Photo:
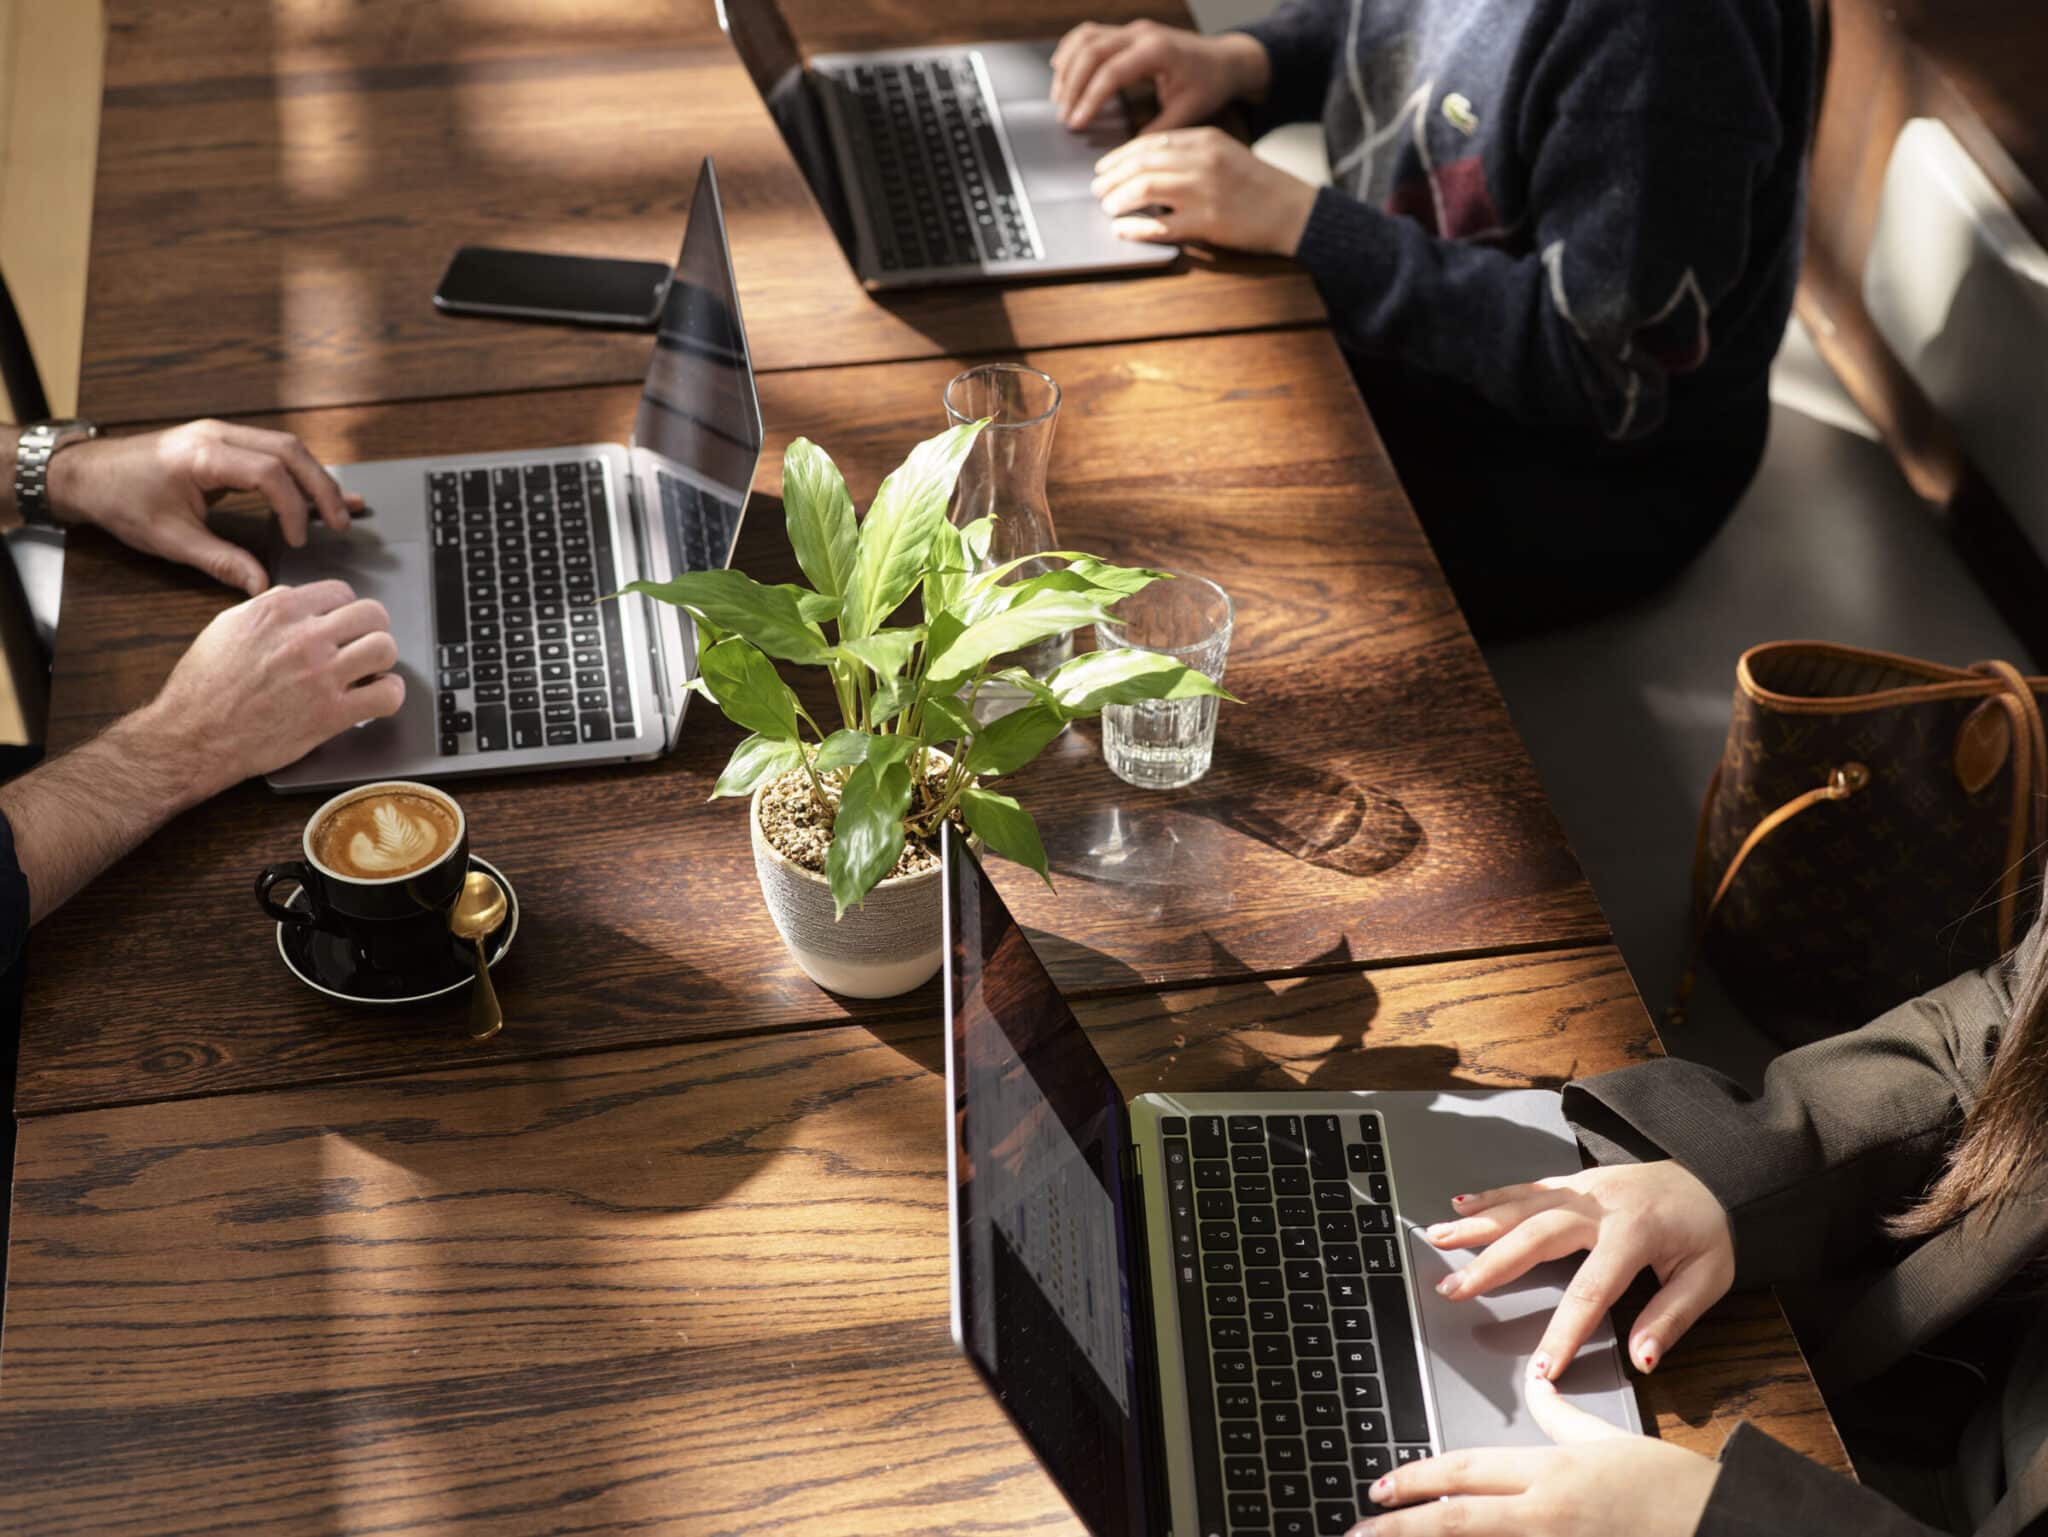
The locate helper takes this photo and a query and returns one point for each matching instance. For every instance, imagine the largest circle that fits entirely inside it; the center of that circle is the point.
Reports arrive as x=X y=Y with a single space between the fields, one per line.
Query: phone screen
x=488 y=281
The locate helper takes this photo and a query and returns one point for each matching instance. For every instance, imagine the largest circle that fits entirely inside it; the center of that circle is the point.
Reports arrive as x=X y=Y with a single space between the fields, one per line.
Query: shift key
x=490 y=728
x=527 y=730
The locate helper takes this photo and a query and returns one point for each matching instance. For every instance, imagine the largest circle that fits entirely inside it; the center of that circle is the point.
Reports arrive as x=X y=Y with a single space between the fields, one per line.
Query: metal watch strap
x=32 y=455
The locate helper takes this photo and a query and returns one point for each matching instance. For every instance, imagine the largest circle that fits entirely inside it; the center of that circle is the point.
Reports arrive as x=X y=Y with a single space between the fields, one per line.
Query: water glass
x=1161 y=744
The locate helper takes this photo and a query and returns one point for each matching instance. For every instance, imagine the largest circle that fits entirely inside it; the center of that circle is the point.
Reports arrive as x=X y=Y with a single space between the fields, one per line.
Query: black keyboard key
x=1322 y=1411
x=1240 y=1438
x=1230 y=1334
x=451 y=744
x=1226 y=1302
x=1286 y=1454
x=1215 y=1206
x=596 y=728
x=557 y=693
x=1328 y=1446
x=1369 y=1127
x=1403 y=1455
x=1255 y=1189
x=1329 y=1481
x=1313 y=1340
x=1232 y=1366
x=491 y=733
x=593 y=700
x=1375 y=1219
x=1331 y=1196
x=1243 y=1475
x=1367 y=1158
x=1318 y=1374
x=1236 y=1403
x=1307 y=1308
x=449 y=625
x=527 y=730
x=1382 y=1256
x=1304 y=1275
x=1300 y=1243
x=1294 y=1523
x=1273 y=1350
x=1215 y=1267
x=1367 y=1430
x=1342 y=1258
x=1256 y=1251
x=1283 y=1140
x=1263 y=1283
x=489 y=693
x=1346 y=1291
x=1362 y=1393
x=1208 y=1175
x=1276 y=1384
x=1295 y=1212
x=1290 y=1181
x=1289 y=1489
x=1325 y=1146
x=561 y=736
x=1207 y=1133
x=1379 y=1189
x=554 y=714
x=1356 y=1358
x=1335 y=1227
x=1219 y=1235
x=1246 y=1128
x=1248 y=1512
x=1267 y=1316
x=1335 y=1520
x=1248 y=1160
x=476 y=488
x=1403 y=1376
x=1280 y=1419
x=1255 y=1219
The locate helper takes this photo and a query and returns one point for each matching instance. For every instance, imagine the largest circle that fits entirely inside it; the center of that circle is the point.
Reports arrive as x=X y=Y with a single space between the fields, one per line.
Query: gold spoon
x=478 y=912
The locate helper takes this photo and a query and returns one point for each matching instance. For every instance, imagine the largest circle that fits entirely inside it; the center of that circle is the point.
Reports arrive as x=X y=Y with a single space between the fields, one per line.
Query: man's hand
x=1598 y=1481
x=1194 y=77
x=1202 y=185
x=1631 y=1217
x=151 y=492
x=271 y=679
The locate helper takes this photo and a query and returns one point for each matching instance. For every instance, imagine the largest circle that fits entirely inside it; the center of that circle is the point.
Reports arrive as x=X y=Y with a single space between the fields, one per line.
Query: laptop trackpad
x=400 y=576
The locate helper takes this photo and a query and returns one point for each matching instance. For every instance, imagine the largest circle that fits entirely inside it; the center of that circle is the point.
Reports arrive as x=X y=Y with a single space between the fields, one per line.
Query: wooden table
x=701 y=1288
x=274 y=204
x=670 y=1252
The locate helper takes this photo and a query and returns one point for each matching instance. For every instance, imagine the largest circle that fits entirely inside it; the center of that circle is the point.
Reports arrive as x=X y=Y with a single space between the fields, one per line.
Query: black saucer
x=327 y=963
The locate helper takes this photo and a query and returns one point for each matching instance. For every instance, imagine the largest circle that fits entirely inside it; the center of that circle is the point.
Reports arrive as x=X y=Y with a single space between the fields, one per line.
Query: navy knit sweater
x=1586 y=212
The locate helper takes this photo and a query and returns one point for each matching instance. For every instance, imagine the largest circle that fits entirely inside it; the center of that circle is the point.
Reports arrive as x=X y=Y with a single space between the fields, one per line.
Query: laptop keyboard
x=704 y=524
x=1303 y=1381
x=528 y=657
x=946 y=198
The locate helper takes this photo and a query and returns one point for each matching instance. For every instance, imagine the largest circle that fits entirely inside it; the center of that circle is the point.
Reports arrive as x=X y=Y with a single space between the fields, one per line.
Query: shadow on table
x=1304 y=811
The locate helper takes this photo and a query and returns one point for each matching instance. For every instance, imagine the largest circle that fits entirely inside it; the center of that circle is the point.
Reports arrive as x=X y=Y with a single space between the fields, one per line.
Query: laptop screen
x=698 y=410
x=1041 y=1255
x=761 y=37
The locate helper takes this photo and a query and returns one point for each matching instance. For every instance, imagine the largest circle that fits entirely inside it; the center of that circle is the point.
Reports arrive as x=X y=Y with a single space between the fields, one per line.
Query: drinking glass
x=1162 y=744
x=1004 y=477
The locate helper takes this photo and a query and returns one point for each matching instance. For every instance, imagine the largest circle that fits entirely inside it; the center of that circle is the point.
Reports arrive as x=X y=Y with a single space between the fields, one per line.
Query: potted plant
x=849 y=818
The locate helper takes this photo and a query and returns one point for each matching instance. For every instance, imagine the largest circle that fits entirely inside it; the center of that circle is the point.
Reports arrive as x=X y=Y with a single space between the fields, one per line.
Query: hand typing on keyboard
x=1598 y=1481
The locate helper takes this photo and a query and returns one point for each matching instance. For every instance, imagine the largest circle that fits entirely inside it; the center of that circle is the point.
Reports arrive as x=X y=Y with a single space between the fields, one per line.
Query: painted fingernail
x=1384 y=1488
x=1540 y=1368
x=1646 y=1354
x=1460 y=1200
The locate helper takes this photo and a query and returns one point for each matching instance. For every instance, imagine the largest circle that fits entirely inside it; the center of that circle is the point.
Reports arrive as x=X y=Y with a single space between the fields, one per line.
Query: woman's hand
x=1201 y=184
x=1631 y=1217
x=1193 y=76
x=1598 y=1481
x=151 y=492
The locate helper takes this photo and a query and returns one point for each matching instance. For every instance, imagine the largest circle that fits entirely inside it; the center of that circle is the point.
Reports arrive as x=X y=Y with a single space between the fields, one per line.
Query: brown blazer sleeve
x=1845 y=1130
x=1766 y=1490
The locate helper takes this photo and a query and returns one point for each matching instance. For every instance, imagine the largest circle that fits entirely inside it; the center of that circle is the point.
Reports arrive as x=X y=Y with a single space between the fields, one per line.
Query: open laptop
x=940 y=165
x=492 y=565
x=1211 y=1314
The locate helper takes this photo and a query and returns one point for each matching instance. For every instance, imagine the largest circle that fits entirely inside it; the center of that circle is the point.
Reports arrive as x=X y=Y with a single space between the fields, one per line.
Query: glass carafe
x=1004 y=478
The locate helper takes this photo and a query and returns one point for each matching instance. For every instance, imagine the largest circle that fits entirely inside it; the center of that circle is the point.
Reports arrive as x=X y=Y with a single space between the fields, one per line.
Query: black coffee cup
x=395 y=924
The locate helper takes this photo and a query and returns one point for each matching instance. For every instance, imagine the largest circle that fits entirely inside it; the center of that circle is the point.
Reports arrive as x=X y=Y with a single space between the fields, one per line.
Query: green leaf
x=950 y=713
x=1122 y=580
x=767 y=616
x=975 y=538
x=891 y=700
x=842 y=749
x=818 y=512
x=945 y=567
x=748 y=689
x=1005 y=827
x=867 y=835
x=1019 y=678
x=1043 y=613
x=754 y=762
x=1087 y=683
x=1010 y=741
x=884 y=750
x=815 y=607
x=898 y=530
x=886 y=652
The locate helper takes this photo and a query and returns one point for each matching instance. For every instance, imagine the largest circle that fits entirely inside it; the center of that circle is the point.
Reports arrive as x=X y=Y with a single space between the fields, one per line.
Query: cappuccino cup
x=383 y=866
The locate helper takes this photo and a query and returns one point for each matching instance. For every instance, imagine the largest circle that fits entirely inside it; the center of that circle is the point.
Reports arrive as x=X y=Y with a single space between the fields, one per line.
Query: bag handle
x=2029 y=785
x=1843 y=782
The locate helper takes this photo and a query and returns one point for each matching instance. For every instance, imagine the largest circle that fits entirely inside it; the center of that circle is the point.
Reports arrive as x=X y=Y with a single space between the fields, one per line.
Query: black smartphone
x=534 y=285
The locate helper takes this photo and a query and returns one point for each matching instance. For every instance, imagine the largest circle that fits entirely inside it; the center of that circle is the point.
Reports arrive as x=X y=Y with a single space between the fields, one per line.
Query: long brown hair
x=2004 y=1139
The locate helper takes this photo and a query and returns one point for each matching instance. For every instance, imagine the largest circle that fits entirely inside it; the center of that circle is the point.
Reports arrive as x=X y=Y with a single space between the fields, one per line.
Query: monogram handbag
x=1873 y=829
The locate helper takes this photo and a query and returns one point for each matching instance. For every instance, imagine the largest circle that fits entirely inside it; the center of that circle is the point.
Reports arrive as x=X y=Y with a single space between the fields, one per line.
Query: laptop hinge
x=643 y=542
x=1151 y=1416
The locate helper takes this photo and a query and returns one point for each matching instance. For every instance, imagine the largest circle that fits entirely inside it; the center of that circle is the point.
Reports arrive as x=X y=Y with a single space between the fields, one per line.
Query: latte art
x=384 y=833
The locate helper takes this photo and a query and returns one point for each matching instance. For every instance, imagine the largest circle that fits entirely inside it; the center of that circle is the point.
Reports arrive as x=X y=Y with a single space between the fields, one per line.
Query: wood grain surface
x=1370 y=800
x=281 y=185
x=701 y=1288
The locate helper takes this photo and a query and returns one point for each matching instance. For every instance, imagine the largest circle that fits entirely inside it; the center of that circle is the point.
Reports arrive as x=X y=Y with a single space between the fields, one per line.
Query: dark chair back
x=24 y=664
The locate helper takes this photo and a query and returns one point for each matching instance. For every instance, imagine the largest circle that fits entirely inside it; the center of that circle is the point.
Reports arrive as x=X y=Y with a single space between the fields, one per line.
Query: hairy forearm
x=75 y=815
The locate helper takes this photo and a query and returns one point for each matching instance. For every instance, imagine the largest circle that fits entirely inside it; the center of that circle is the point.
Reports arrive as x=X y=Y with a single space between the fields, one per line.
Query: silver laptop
x=940 y=165
x=493 y=565
x=1212 y=1313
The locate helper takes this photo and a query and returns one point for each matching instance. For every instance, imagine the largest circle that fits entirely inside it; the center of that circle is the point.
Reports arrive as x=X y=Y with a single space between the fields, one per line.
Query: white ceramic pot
x=889 y=945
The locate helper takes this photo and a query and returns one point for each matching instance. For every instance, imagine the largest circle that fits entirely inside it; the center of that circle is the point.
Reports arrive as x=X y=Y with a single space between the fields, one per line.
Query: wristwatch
x=38 y=445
